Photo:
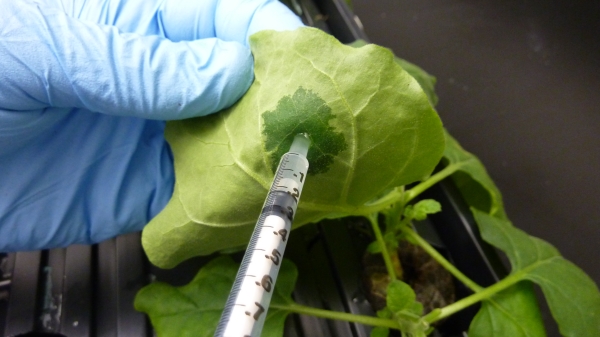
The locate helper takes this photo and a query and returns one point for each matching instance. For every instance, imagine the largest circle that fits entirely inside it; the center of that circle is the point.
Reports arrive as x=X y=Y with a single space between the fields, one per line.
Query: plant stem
x=472 y=299
x=392 y=217
x=384 y=251
x=380 y=204
x=342 y=316
x=374 y=207
x=409 y=232
x=434 y=179
x=387 y=199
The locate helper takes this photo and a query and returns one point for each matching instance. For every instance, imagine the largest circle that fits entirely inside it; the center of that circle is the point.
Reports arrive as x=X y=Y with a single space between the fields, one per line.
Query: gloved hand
x=84 y=86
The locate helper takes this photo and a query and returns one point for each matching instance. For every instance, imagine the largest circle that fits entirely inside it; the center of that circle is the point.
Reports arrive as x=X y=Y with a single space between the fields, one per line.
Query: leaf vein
x=506 y=313
x=353 y=141
x=246 y=170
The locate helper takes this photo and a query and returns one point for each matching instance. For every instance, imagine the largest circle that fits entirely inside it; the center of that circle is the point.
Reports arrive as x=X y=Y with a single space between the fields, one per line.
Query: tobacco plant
x=374 y=132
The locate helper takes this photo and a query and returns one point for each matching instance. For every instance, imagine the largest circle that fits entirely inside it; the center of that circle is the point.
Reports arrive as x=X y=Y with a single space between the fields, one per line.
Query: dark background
x=519 y=86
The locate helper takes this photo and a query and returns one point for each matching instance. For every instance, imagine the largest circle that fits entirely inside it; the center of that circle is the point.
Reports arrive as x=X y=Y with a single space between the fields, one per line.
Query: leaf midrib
x=353 y=131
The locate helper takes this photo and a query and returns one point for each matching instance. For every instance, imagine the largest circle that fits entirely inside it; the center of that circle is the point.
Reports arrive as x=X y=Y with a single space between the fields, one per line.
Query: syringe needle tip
x=301 y=144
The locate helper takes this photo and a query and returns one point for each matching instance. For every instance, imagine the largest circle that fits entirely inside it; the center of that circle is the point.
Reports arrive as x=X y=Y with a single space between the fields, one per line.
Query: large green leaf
x=371 y=125
x=472 y=179
x=572 y=296
x=513 y=312
x=195 y=309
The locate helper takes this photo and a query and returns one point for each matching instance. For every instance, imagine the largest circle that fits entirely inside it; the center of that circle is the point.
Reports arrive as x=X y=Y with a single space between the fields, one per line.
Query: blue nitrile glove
x=84 y=86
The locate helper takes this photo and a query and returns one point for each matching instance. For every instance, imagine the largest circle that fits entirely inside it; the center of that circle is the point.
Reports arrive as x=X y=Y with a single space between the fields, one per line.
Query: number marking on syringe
x=258 y=273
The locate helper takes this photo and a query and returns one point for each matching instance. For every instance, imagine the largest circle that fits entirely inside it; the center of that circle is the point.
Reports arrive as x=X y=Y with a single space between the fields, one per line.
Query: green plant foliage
x=421 y=209
x=373 y=130
x=195 y=309
x=425 y=80
x=391 y=243
x=404 y=308
x=401 y=298
x=513 y=312
x=376 y=128
x=380 y=332
x=572 y=296
x=472 y=179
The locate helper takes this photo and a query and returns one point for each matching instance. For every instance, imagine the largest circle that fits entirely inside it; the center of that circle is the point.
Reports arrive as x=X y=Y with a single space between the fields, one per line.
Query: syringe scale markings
x=248 y=302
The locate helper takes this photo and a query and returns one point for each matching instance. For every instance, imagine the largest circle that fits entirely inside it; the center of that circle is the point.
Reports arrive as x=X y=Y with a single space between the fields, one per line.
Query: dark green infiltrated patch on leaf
x=304 y=112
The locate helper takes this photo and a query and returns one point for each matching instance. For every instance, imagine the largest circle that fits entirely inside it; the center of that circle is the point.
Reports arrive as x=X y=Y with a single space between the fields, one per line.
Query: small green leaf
x=401 y=298
x=385 y=313
x=572 y=296
x=406 y=311
x=421 y=209
x=390 y=241
x=374 y=247
x=513 y=312
x=195 y=309
x=380 y=332
x=472 y=179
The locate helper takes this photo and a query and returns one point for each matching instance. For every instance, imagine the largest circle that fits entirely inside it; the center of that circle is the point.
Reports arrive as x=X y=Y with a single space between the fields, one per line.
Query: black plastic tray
x=89 y=290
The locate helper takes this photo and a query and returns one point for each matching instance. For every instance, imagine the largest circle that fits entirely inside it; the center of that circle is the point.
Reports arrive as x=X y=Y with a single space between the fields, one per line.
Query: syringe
x=247 y=305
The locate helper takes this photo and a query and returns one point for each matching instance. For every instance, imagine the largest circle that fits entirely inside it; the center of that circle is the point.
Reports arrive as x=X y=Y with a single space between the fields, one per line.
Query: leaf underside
x=425 y=80
x=373 y=127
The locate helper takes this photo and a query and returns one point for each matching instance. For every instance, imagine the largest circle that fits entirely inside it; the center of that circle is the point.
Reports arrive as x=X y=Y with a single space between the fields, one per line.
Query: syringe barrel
x=300 y=144
x=288 y=183
x=249 y=300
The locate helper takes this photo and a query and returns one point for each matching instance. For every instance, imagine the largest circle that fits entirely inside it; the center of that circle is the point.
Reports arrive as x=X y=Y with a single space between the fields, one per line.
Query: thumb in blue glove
x=84 y=88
